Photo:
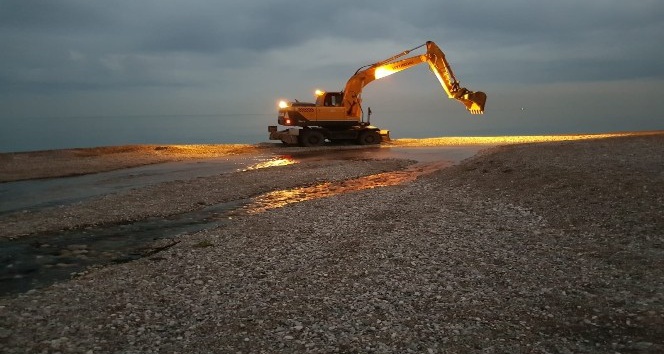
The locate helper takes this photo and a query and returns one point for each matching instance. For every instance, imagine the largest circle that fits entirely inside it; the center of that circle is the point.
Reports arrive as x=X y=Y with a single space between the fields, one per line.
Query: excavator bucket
x=474 y=101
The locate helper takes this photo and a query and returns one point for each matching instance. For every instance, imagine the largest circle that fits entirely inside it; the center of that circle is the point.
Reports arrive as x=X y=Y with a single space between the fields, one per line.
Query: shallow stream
x=39 y=260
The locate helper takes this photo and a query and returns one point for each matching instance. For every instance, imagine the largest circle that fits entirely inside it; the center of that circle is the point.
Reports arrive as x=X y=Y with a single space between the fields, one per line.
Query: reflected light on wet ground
x=281 y=198
x=283 y=160
x=509 y=139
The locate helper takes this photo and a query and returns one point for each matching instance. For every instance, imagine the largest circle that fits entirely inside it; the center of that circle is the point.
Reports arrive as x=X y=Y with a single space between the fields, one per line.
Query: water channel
x=39 y=260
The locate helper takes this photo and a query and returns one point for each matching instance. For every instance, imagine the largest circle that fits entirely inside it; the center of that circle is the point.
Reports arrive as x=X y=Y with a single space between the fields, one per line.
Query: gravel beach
x=549 y=247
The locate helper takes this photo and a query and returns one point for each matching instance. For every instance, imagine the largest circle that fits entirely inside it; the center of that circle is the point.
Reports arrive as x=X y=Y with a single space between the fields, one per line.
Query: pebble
x=446 y=263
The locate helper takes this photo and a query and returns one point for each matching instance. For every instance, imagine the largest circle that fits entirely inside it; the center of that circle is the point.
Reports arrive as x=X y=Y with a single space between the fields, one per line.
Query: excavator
x=338 y=116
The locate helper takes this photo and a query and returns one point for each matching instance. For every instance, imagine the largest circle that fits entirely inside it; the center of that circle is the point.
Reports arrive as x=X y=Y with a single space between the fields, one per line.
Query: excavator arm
x=473 y=101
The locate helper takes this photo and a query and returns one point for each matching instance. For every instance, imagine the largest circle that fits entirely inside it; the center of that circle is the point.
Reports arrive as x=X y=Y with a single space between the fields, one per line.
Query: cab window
x=333 y=100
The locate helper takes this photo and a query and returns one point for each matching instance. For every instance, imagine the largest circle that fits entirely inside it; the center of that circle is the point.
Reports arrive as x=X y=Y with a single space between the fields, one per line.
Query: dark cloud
x=51 y=17
x=258 y=27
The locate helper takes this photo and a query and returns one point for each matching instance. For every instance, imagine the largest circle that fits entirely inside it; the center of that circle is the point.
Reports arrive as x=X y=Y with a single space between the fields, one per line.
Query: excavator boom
x=473 y=101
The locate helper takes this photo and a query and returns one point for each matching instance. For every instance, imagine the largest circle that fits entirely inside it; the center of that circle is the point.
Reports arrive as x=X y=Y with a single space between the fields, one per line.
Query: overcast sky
x=546 y=66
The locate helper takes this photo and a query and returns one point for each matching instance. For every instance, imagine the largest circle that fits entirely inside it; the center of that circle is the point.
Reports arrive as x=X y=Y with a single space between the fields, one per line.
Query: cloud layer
x=75 y=57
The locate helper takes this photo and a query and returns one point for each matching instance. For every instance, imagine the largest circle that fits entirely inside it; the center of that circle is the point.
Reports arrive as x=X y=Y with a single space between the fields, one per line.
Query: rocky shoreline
x=549 y=247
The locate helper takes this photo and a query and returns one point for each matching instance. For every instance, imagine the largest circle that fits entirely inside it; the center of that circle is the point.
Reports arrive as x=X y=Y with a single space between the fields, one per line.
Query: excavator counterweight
x=339 y=115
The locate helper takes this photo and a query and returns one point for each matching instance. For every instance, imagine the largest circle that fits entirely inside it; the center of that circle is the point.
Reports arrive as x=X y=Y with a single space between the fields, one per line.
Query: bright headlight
x=283 y=104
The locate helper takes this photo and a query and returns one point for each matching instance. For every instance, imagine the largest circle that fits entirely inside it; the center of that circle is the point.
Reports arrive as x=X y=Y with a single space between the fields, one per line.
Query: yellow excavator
x=337 y=116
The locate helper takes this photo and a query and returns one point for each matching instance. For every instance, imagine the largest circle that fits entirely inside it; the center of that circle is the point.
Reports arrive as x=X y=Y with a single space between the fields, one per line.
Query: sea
x=50 y=133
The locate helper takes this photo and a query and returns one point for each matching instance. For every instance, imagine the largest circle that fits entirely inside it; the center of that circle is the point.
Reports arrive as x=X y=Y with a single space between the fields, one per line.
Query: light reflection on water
x=283 y=160
x=281 y=198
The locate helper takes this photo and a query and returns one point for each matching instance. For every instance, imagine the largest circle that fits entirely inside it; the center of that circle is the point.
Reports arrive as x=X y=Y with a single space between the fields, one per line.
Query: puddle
x=40 y=260
x=283 y=160
x=281 y=198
